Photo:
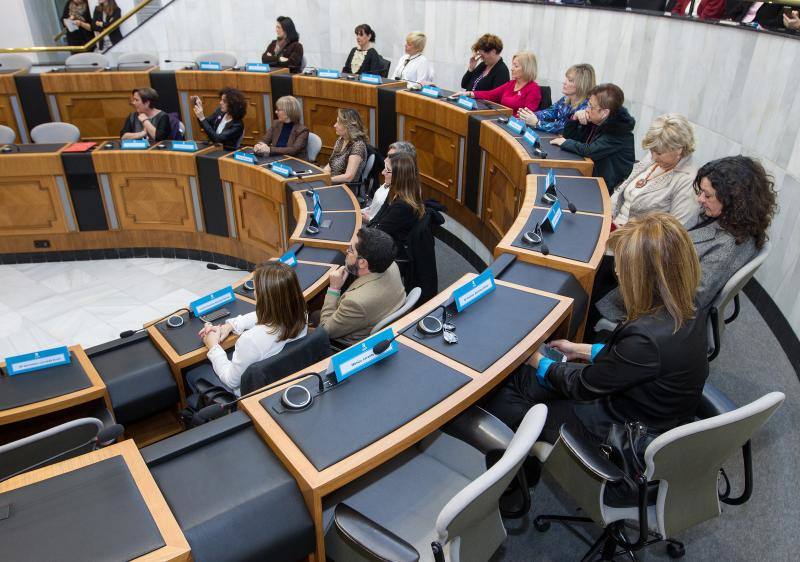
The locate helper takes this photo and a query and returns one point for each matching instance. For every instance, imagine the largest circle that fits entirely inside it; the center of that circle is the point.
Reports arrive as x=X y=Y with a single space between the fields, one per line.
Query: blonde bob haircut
x=657 y=267
x=670 y=131
x=583 y=77
x=418 y=40
x=291 y=107
x=530 y=68
x=354 y=126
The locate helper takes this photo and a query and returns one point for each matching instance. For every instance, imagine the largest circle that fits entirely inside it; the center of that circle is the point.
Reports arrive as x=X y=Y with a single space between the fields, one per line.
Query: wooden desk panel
x=256 y=86
x=176 y=547
x=8 y=98
x=96 y=102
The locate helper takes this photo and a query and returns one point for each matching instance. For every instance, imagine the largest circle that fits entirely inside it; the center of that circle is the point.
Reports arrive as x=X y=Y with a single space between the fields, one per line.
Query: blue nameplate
x=184 y=146
x=325 y=73
x=357 y=358
x=212 y=302
x=37 y=360
x=550 y=180
x=208 y=65
x=430 y=91
x=289 y=259
x=473 y=291
x=516 y=125
x=244 y=157
x=466 y=103
x=531 y=137
x=256 y=67
x=317 y=209
x=134 y=144
x=553 y=217
x=371 y=78
x=281 y=169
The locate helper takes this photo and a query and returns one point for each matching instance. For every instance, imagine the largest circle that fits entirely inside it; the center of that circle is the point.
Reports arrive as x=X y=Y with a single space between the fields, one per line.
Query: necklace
x=643 y=182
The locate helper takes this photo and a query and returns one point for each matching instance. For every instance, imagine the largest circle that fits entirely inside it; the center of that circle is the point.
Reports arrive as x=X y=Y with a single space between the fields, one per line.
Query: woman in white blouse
x=279 y=318
x=413 y=66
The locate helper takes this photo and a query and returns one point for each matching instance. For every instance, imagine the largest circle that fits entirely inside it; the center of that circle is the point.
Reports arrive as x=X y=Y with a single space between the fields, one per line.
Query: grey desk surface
x=35 y=386
x=575 y=238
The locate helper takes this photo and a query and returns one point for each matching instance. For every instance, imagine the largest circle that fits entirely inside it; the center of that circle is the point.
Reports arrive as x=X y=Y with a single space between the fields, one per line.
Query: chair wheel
x=676 y=550
x=541 y=525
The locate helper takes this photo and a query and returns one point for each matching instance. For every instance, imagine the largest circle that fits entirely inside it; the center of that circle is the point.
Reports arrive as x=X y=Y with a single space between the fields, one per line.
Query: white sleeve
x=426 y=73
x=377 y=202
x=243 y=322
x=245 y=353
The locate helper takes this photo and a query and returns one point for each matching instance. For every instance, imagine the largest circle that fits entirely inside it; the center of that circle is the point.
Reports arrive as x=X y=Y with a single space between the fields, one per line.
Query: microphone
x=193 y=63
x=129 y=333
x=215 y=411
x=136 y=63
x=535 y=237
x=104 y=436
x=572 y=208
x=310 y=71
x=81 y=65
x=10 y=148
x=214 y=267
x=383 y=345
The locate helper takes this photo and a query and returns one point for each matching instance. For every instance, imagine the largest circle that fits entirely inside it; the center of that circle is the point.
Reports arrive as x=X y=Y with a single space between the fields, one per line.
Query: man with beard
x=376 y=291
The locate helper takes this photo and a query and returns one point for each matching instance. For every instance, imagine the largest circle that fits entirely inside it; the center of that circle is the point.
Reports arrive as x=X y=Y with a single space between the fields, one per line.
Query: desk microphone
x=215 y=267
x=10 y=148
x=547 y=197
x=136 y=63
x=535 y=237
x=310 y=71
x=215 y=411
x=193 y=63
x=572 y=208
x=104 y=436
x=176 y=323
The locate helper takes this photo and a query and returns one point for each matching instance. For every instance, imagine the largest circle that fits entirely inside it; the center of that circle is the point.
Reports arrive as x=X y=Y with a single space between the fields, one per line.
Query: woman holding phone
x=486 y=69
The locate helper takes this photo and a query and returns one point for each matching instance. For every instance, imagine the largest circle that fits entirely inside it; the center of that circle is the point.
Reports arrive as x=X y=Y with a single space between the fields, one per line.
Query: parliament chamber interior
x=475 y=280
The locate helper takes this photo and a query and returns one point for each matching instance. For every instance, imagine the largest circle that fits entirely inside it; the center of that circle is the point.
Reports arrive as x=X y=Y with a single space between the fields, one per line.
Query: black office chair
x=419 y=269
x=383 y=69
x=295 y=356
x=547 y=98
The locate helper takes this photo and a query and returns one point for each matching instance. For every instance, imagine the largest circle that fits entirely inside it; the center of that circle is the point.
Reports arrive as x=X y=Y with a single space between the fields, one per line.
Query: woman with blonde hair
x=403 y=207
x=521 y=91
x=287 y=136
x=350 y=150
x=578 y=80
x=653 y=367
x=662 y=182
x=413 y=66
x=280 y=317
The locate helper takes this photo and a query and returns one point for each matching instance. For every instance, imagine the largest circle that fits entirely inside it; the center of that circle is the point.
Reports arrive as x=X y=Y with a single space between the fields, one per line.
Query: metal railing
x=81 y=48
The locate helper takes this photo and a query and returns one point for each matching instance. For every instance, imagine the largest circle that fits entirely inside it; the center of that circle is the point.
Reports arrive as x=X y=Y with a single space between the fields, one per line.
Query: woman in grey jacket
x=738 y=201
x=663 y=181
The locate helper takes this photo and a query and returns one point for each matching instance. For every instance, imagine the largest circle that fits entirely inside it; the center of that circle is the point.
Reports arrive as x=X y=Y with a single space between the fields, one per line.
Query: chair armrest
x=480 y=429
x=590 y=457
x=370 y=539
x=713 y=402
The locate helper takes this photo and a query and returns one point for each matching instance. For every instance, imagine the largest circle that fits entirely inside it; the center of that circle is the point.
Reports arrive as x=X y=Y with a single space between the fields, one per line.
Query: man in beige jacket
x=376 y=292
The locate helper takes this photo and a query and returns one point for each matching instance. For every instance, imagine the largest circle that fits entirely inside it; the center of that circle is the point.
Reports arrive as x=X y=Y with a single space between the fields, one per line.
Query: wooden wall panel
x=501 y=197
x=99 y=115
x=7 y=114
x=30 y=205
x=153 y=202
x=437 y=155
x=260 y=220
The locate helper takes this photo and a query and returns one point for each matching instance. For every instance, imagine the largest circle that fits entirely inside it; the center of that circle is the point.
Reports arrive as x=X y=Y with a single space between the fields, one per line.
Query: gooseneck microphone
x=136 y=63
x=193 y=63
x=572 y=208
x=168 y=317
x=214 y=267
x=214 y=411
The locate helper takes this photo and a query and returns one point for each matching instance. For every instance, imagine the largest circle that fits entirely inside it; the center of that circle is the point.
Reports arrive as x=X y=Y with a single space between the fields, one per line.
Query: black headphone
x=533 y=237
x=296 y=397
x=430 y=325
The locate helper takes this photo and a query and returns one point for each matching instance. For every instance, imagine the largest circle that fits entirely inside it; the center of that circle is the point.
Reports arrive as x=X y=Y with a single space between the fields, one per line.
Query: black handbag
x=625 y=445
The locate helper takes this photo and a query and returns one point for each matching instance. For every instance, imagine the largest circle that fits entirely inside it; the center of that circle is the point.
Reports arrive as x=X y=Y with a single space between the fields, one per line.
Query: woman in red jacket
x=521 y=91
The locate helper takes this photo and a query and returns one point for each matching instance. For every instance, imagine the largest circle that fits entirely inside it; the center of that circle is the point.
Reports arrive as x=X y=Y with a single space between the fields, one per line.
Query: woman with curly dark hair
x=225 y=125
x=737 y=200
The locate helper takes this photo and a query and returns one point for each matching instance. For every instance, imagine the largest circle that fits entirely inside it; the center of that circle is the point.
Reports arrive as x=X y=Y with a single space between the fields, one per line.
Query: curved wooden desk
x=10 y=108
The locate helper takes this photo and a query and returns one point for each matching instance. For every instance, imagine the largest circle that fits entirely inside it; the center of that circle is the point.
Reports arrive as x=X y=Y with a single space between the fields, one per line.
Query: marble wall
x=733 y=84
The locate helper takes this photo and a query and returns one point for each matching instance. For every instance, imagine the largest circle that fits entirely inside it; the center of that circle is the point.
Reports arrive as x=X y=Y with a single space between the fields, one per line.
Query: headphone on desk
x=430 y=325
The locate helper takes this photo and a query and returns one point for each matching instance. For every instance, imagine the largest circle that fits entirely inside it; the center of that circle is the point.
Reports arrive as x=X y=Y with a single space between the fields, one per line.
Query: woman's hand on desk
x=528 y=116
x=558 y=141
x=261 y=148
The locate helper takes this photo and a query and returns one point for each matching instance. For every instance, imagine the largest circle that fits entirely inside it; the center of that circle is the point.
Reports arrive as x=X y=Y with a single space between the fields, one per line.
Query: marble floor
x=44 y=305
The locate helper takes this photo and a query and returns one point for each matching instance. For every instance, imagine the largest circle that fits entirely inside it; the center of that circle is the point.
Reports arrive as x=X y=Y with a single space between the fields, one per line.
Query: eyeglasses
x=386 y=171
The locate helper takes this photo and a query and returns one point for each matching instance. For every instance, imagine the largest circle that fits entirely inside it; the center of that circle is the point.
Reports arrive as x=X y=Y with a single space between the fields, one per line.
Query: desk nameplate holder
x=257 y=67
x=472 y=291
x=37 y=361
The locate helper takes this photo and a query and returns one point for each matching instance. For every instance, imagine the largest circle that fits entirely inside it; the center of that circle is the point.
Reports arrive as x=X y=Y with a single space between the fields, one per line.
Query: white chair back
x=686 y=460
x=134 y=61
x=55 y=132
x=7 y=135
x=13 y=61
x=477 y=501
x=88 y=60
x=314 y=146
x=224 y=58
x=411 y=299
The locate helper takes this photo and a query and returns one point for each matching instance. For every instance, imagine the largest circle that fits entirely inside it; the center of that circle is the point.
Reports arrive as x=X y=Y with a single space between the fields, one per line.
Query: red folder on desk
x=80 y=147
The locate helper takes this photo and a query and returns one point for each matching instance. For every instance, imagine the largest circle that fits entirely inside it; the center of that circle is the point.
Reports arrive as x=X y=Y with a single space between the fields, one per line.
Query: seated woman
x=287 y=135
x=286 y=51
x=607 y=136
x=279 y=318
x=146 y=121
x=363 y=58
x=521 y=91
x=486 y=70
x=225 y=125
x=403 y=207
x=350 y=150
x=653 y=368
x=413 y=66
x=661 y=182
x=737 y=200
x=578 y=80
